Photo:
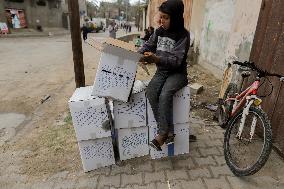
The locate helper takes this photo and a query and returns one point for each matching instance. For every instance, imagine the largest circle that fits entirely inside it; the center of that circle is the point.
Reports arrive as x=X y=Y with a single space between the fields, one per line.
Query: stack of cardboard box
x=130 y=125
x=89 y=114
x=134 y=124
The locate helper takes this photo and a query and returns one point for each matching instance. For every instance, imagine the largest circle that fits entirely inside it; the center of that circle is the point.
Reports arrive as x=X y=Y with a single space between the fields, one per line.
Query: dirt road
x=31 y=70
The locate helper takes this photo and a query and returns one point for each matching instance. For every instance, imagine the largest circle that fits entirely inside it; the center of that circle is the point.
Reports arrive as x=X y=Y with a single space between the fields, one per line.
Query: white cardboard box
x=181 y=108
x=96 y=153
x=116 y=72
x=88 y=114
x=181 y=142
x=132 y=113
x=132 y=142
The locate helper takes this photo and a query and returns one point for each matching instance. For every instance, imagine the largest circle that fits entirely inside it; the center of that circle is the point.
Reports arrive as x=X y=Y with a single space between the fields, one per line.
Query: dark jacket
x=147 y=36
x=84 y=29
x=170 y=47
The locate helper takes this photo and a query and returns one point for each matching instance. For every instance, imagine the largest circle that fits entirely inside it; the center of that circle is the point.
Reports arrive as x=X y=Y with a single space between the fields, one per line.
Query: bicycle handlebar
x=241 y=63
x=262 y=73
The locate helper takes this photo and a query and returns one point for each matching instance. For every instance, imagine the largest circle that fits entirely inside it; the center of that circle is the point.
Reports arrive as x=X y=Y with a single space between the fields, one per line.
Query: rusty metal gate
x=268 y=53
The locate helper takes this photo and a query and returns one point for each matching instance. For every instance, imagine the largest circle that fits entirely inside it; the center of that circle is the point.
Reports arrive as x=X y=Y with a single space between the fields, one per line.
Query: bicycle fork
x=250 y=101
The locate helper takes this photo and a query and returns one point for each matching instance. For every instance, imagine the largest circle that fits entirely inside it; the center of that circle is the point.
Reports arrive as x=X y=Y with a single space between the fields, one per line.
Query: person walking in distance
x=151 y=30
x=146 y=35
x=112 y=30
x=84 y=30
x=167 y=48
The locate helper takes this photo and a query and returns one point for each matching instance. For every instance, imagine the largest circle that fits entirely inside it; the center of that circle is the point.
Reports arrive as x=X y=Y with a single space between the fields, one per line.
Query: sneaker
x=192 y=138
x=170 y=139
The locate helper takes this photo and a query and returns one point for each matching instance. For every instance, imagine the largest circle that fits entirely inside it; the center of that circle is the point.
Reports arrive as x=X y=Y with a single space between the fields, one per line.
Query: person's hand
x=149 y=57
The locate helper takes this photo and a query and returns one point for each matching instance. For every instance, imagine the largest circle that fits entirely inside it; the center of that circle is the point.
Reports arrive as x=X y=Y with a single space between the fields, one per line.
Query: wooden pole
x=75 y=29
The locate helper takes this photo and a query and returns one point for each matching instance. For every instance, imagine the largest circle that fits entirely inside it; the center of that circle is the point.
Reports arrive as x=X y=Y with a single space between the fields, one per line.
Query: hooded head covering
x=175 y=9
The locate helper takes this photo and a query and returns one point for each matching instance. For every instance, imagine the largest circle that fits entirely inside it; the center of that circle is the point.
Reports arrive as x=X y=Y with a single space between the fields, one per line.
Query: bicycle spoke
x=245 y=149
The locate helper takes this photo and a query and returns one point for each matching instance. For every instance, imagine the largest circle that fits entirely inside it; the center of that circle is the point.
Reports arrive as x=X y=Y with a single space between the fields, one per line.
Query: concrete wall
x=222 y=29
x=243 y=29
x=24 y=5
x=49 y=17
x=242 y=33
x=129 y=37
x=215 y=33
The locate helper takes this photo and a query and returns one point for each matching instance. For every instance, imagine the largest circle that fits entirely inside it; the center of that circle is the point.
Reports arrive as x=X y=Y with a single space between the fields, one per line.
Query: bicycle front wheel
x=245 y=155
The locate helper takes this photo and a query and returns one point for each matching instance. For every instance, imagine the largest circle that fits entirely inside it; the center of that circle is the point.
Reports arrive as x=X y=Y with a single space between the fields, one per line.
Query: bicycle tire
x=266 y=147
x=223 y=115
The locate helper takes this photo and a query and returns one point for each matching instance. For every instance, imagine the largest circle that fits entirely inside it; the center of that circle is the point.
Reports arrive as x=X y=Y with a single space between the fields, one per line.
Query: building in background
x=65 y=15
x=108 y=10
x=30 y=13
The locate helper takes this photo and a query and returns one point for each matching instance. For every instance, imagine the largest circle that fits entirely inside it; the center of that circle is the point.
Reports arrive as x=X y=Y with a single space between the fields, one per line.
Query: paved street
x=32 y=68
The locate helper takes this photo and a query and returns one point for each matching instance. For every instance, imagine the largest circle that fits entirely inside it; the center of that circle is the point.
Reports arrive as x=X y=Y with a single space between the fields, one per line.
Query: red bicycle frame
x=251 y=90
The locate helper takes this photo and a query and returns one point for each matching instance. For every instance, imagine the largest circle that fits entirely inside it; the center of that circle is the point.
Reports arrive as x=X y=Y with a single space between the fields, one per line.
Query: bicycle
x=248 y=135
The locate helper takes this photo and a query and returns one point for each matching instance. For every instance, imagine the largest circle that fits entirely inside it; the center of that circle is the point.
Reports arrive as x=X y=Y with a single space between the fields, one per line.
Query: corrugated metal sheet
x=268 y=53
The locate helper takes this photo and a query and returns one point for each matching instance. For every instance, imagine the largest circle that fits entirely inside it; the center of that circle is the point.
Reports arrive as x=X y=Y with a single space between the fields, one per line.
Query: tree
x=103 y=10
x=92 y=9
x=137 y=9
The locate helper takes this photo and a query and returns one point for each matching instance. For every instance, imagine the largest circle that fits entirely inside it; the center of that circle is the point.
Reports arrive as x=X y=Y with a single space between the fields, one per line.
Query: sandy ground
x=32 y=68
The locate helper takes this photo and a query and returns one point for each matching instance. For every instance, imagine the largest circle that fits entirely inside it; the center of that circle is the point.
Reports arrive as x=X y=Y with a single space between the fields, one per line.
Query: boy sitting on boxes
x=167 y=48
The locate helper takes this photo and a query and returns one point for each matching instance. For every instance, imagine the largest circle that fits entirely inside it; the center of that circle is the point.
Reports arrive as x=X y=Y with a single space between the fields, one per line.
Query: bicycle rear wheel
x=225 y=108
x=244 y=156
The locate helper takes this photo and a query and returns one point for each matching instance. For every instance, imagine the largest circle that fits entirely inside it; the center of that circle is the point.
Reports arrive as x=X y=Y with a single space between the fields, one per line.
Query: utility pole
x=75 y=29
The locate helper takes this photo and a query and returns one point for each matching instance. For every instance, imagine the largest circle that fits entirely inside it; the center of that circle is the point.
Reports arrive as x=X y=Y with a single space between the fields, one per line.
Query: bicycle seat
x=245 y=74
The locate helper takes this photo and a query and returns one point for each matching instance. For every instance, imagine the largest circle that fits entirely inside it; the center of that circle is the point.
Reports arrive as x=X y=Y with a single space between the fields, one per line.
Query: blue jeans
x=160 y=92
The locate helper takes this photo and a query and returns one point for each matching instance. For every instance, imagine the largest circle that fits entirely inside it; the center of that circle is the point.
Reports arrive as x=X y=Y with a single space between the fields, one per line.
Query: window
x=41 y=3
